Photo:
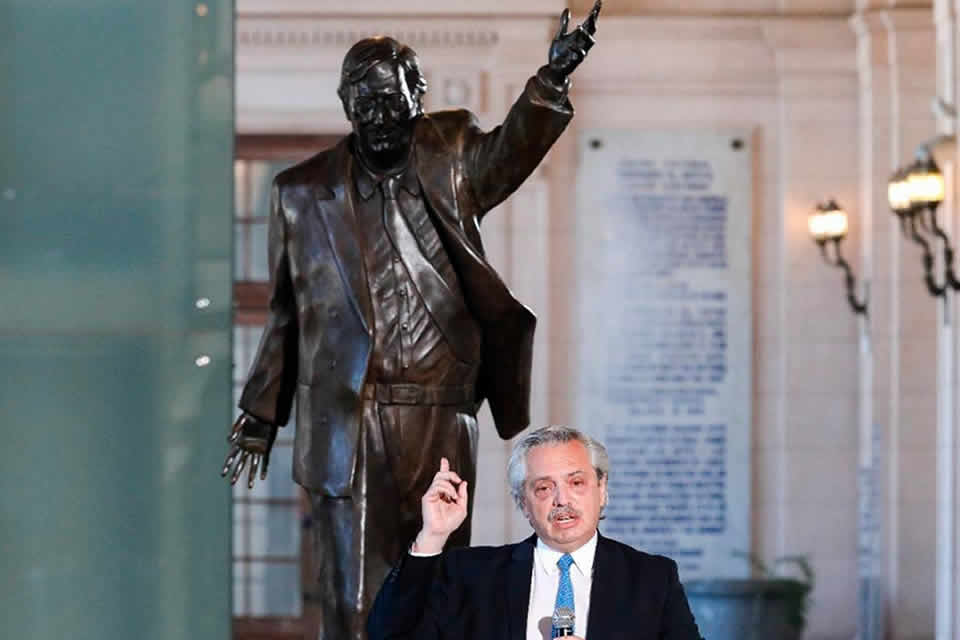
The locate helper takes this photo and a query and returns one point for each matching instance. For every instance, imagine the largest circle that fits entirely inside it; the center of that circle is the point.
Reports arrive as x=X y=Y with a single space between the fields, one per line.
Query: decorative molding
x=704 y=84
x=900 y=37
x=458 y=89
x=379 y=8
x=895 y=20
x=812 y=46
x=299 y=34
x=809 y=33
x=671 y=28
x=258 y=120
x=837 y=8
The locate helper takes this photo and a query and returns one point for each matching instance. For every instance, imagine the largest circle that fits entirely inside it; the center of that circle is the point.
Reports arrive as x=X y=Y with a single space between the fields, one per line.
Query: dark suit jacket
x=483 y=593
x=317 y=341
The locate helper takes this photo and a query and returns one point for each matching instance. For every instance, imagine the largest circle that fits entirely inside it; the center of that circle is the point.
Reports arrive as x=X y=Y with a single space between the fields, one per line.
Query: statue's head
x=382 y=87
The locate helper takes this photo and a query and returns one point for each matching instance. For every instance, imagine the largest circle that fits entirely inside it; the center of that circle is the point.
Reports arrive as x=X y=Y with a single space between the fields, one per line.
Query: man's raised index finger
x=451 y=476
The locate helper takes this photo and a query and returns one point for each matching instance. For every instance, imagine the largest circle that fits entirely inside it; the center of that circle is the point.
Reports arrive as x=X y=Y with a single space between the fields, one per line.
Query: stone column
x=896 y=72
x=818 y=119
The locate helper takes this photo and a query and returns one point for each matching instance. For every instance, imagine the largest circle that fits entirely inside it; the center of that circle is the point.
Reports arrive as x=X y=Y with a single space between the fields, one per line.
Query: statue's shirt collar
x=367 y=181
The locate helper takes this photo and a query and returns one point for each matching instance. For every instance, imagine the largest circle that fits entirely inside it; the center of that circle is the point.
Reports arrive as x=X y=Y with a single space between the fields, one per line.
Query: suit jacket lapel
x=335 y=207
x=436 y=172
x=437 y=180
x=517 y=592
x=603 y=590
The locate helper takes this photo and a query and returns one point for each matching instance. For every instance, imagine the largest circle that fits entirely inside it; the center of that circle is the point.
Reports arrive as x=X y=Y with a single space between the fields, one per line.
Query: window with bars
x=266 y=520
x=271 y=563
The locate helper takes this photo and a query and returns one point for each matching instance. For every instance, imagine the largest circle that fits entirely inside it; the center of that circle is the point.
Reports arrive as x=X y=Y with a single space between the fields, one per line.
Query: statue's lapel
x=437 y=173
x=334 y=201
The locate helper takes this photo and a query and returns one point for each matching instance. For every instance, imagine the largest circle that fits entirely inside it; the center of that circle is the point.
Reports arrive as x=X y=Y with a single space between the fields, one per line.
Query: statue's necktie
x=448 y=310
x=565 y=587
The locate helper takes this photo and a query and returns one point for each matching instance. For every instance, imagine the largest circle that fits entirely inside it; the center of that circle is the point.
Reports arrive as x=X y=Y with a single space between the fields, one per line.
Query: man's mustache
x=565 y=510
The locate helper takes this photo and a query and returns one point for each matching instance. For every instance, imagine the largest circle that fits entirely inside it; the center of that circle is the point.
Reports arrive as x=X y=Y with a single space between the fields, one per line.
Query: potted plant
x=768 y=605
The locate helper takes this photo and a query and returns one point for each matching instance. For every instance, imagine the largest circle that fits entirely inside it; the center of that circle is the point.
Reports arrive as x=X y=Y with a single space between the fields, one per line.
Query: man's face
x=562 y=496
x=382 y=112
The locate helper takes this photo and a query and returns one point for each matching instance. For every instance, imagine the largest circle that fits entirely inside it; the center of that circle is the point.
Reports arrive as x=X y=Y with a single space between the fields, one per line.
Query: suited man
x=558 y=478
x=386 y=322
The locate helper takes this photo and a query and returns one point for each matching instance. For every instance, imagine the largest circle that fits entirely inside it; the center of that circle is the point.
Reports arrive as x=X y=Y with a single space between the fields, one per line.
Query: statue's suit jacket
x=317 y=341
x=481 y=593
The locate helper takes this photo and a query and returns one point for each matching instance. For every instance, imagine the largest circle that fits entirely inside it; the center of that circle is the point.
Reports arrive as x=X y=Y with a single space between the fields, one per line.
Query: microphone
x=563 y=622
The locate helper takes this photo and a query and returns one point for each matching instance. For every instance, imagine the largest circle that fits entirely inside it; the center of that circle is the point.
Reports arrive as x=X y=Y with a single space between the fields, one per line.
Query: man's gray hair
x=551 y=435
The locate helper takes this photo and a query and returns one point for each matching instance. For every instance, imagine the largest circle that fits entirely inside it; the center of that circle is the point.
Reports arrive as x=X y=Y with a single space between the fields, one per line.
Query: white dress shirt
x=544 y=580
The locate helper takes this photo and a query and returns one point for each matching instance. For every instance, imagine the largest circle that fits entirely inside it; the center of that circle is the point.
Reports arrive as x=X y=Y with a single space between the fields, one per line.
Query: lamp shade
x=898 y=193
x=827 y=222
x=925 y=184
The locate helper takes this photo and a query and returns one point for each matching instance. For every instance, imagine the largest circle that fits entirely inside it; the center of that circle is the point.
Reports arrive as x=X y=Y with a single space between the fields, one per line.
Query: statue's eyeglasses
x=365 y=107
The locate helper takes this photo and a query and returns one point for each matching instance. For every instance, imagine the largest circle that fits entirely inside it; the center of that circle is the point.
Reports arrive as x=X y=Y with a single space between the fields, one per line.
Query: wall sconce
x=898 y=195
x=925 y=181
x=922 y=185
x=927 y=191
x=828 y=224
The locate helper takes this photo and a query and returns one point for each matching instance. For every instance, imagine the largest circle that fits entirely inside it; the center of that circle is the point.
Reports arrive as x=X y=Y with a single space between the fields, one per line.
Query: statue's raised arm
x=498 y=161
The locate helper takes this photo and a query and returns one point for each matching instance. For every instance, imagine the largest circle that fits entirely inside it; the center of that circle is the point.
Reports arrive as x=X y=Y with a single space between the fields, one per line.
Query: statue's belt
x=418 y=394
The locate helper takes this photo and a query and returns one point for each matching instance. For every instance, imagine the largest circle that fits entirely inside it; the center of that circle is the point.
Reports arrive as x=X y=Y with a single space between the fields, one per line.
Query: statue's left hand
x=569 y=49
x=251 y=442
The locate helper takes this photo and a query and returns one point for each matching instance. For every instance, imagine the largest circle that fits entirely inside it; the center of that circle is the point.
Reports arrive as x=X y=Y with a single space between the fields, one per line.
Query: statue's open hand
x=444 y=508
x=252 y=441
x=569 y=49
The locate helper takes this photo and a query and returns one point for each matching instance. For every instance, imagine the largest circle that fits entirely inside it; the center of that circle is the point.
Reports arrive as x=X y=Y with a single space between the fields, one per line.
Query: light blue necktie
x=565 y=587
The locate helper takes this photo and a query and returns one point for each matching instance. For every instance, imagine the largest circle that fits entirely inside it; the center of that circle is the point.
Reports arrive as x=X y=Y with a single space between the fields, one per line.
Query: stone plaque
x=664 y=324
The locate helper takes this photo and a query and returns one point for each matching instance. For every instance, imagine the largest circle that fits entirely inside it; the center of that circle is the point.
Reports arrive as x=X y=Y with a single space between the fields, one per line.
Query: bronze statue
x=386 y=323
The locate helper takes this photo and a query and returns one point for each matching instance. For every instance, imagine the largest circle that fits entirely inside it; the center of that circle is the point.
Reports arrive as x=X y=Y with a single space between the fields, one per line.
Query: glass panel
x=262 y=526
x=245 y=341
x=241 y=241
x=268 y=530
x=241 y=201
x=255 y=178
x=240 y=606
x=258 y=270
x=261 y=179
x=273 y=590
x=116 y=177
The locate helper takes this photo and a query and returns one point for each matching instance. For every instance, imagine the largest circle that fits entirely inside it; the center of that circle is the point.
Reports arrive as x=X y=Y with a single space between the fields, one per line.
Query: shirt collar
x=582 y=557
x=367 y=181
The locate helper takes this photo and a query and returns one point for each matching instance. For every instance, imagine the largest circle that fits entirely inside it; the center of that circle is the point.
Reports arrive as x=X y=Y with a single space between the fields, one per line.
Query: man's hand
x=252 y=440
x=444 y=508
x=569 y=49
